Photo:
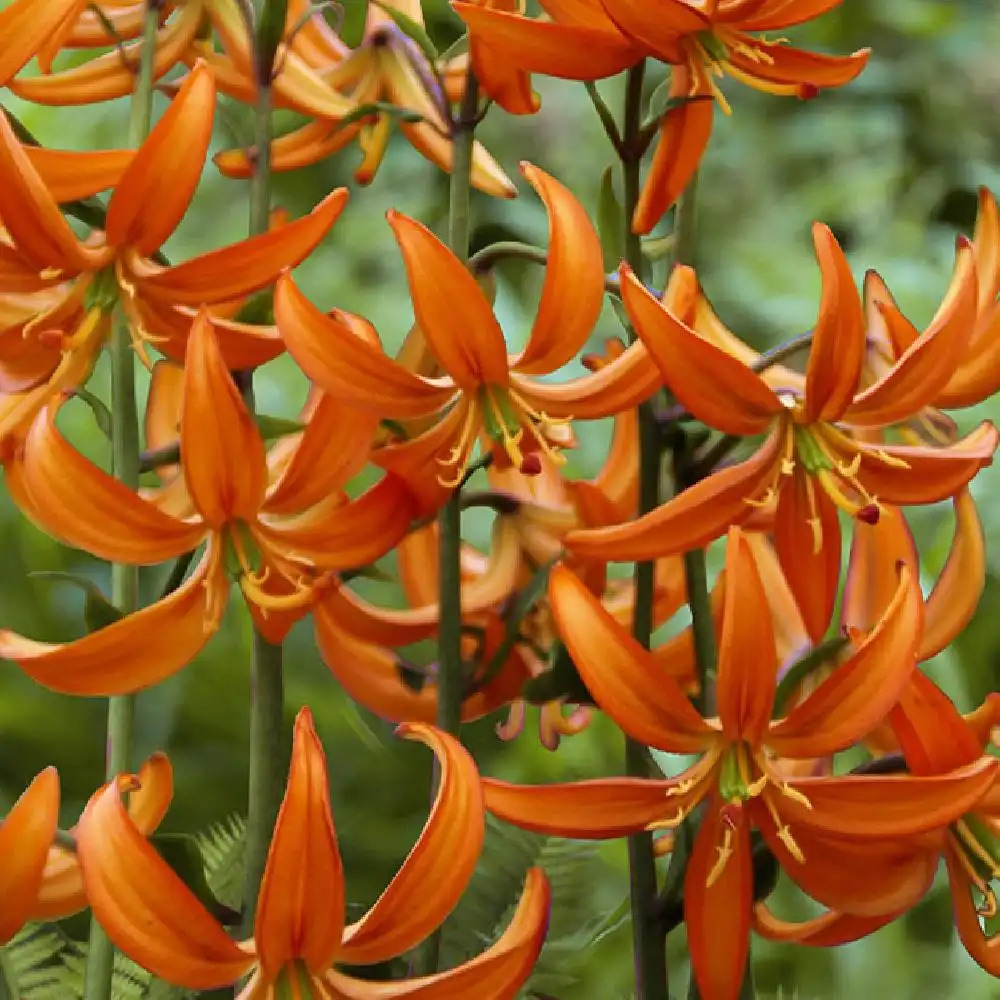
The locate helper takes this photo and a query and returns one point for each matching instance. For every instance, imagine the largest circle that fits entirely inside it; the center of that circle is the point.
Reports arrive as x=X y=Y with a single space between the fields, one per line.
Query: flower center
x=246 y=564
x=506 y=417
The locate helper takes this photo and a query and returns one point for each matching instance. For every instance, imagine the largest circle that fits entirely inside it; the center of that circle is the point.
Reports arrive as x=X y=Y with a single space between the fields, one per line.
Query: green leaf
x=221 y=847
x=457 y=48
x=412 y=29
x=362 y=111
x=98 y=611
x=655 y=248
x=102 y=415
x=276 y=427
x=827 y=650
x=258 y=309
x=610 y=226
x=519 y=608
x=561 y=680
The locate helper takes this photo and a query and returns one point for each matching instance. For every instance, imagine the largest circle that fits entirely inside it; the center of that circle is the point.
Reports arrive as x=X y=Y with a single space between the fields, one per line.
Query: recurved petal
x=221 y=449
x=924 y=369
x=978 y=373
x=719 y=390
x=73 y=175
x=154 y=193
x=571 y=51
x=920 y=474
x=573 y=292
x=437 y=871
x=660 y=28
x=25 y=836
x=135 y=652
x=959 y=586
x=300 y=910
x=855 y=698
x=624 y=678
x=347 y=367
x=25 y=25
x=693 y=518
x=683 y=138
x=717 y=903
x=828 y=930
x=498 y=973
x=78 y=503
x=748 y=660
x=779 y=66
x=807 y=538
x=244 y=267
x=353 y=534
x=859 y=807
x=597 y=809
x=450 y=307
x=146 y=909
x=838 y=344
x=111 y=75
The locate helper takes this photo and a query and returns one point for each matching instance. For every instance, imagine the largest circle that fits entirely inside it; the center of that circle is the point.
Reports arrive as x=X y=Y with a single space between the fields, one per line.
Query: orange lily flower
x=275 y=542
x=25 y=837
x=485 y=388
x=26 y=26
x=116 y=267
x=61 y=892
x=110 y=74
x=739 y=772
x=588 y=40
x=817 y=458
x=388 y=67
x=300 y=932
x=977 y=374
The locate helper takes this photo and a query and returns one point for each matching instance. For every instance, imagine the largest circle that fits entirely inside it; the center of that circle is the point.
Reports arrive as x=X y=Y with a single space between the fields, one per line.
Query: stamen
x=725 y=850
x=458 y=457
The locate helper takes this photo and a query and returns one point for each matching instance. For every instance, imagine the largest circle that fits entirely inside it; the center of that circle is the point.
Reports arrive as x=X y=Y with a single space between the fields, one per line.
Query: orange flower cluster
x=856 y=437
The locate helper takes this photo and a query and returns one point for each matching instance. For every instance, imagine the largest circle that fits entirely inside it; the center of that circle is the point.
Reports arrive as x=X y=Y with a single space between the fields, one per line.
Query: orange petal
x=244 y=267
x=978 y=373
x=916 y=379
x=111 y=75
x=768 y=64
x=25 y=836
x=828 y=930
x=347 y=367
x=571 y=51
x=718 y=915
x=353 y=534
x=959 y=586
x=221 y=449
x=807 y=538
x=498 y=973
x=450 y=308
x=748 y=659
x=509 y=86
x=658 y=29
x=894 y=806
x=437 y=870
x=24 y=27
x=930 y=474
x=300 y=910
x=153 y=195
x=597 y=809
x=573 y=293
x=302 y=147
x=77 y=502
x=838 y=344
x=73 y=175
x=683 y=138
x=146 y=909
x=932 y=733
x=136 y=652
x=852 y=701
x=693 y=518
x=623 y=383
x=719 y=390
x=624 y=678
x=31 y=217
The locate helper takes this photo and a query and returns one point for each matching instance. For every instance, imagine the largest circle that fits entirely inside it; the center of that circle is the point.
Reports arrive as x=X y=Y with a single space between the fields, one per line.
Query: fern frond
x=222 y=846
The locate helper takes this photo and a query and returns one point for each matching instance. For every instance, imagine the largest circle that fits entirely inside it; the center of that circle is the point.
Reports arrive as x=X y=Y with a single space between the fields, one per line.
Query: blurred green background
x=892 y=162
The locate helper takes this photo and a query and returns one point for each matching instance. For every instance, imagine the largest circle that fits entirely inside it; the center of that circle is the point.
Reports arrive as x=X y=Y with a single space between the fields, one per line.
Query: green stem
x=260 y=179
x=450 y=677
x=702 y=627
x=648 y=940
x=125 y=464
x=267 y=699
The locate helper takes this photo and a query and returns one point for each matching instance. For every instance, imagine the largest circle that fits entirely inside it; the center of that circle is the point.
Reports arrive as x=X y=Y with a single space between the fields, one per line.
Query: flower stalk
x=267 y=693
x=648 y=939
x=125 y=465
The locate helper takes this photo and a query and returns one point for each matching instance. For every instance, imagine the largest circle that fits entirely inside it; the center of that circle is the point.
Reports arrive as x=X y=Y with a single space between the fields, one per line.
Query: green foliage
x=572 y=867
x=221 y=847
